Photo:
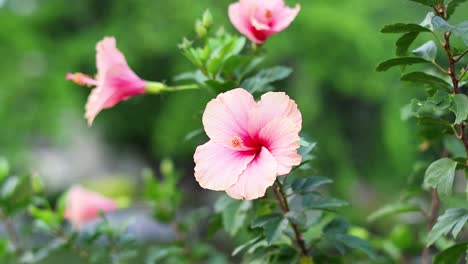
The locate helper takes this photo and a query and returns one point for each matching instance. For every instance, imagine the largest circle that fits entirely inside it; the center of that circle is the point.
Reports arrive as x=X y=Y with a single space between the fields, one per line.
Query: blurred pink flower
x=114 y=82
x=259 y=19
x=83 y=206
x=250 y=143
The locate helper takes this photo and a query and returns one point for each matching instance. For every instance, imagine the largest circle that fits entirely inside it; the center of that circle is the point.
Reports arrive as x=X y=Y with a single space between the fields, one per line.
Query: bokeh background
x=351 y=111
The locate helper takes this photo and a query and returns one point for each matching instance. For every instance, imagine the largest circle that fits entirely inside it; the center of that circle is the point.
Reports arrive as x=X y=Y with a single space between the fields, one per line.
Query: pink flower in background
x=83 y=206
x=114 y=82
x=259 y=19
x=250 y=143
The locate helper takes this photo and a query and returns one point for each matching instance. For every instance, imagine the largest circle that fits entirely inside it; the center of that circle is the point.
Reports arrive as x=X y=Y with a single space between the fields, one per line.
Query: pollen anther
x=237 y=142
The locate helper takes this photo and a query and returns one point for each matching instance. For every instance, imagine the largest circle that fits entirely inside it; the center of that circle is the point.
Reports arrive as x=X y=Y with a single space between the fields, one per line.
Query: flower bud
x=200 y=29
x=4 y=168
x=207 y=19
x=185 y=44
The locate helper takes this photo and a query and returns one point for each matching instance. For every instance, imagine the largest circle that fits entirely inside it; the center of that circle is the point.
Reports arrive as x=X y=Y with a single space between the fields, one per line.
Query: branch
x=283 y=202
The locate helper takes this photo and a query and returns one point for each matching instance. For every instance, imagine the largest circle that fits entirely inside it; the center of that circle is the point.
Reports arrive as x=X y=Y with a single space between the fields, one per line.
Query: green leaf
x=399 y=62
x=461 y=30
x=317 y=201
x=452 y=254
x=309 y=183
x=427 y=79
x=452 y=6
x=392 y=209
x=260 y=81
x=430 y=3
x=357 y=243
x=273 y=225
x=460 y=108
x=427 y=51
x=403 y=28
x=440 y=175
x=453 y=219
x=441 y=25
x=404 y=42
x=234 y=213
x=242 y=247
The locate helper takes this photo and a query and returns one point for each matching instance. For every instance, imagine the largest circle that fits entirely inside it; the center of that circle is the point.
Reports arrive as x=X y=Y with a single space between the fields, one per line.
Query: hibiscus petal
x=107 y=55
x=284 y=18
x=273 y=105
x=280 y=136
x=239 y=16
x=226 y=118
x=118 y=84
x=255 y=180
x=218 y=168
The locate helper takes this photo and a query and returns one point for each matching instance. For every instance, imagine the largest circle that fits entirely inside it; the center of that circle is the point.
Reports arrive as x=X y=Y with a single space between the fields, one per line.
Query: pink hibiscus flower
x=250 y=143
x=114 y=82
x=260 y=19
x=83 y=206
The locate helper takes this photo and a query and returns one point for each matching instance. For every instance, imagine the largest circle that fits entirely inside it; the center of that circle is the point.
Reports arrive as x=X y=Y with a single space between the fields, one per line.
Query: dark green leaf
x=259 y=82
x=427 y=51
x=430 y=3
x=403 y=28
x=453 y=219
x=399 y=62
x=404 y=42
x=357 y=243
x=440 y=175
x=427 y=79
x=460 y=108
x=452 y=254
x=234 y=213
x=393 y=209
x=317 y=201
x=309 y=183
x=452 y=6
x=273 y=225
x=240 y=248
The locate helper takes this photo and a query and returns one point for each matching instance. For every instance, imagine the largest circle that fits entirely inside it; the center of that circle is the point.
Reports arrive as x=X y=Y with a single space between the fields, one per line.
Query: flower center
x=236 y=142
x=268 y=14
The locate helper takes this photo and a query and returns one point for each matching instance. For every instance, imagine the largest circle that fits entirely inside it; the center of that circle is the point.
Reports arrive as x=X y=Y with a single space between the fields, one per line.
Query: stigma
x=236 y=142
x=81 y=79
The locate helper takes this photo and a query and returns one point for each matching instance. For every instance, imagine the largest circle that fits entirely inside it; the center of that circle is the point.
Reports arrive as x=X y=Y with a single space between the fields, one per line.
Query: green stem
x=157 y=87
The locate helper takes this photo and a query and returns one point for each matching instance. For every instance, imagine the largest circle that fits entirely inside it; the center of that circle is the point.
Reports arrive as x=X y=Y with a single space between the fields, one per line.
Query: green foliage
x=427 y=51
x=430 y=3
x=460 y=108
x=384 y=66
x=440 y=175
x=393 y=209
x=452 y=220
x=404 y=28
x=427 y=79
x=452 y=6
x=452 y=254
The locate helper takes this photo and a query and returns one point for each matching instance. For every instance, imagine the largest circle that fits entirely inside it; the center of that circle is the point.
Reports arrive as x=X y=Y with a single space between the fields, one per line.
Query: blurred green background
x=352 y=111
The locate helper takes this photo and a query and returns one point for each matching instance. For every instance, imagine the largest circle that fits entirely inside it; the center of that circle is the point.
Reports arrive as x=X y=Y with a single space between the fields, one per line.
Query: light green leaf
x=452 y=254
x=399 y=62
x=440 y=175
x=393 y=209
x=452 y=6
x=403 y=28
x=427 y=79
x=441 y=25
x=234 y=213
x=240 y=248
x=4 y=169
x=427 y=51
x=460 y=108
x=461 y=30
x=453 y=218
x=273 y=225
